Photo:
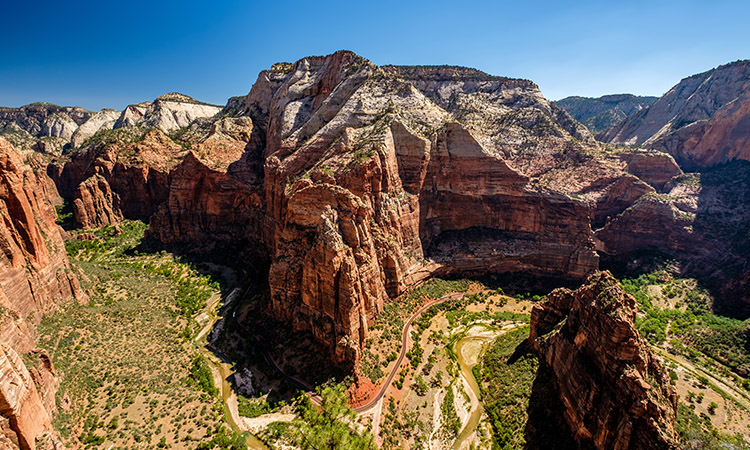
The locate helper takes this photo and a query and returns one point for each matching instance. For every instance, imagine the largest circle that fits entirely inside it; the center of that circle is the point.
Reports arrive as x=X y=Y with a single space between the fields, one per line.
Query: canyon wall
x=703 y=121
x=351 y=182
x=35 y=278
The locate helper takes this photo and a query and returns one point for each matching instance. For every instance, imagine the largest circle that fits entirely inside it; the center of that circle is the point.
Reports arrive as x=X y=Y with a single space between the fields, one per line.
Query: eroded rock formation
x=168 y=112
x=109 y=181
x=354 y=174
x=34 y=271
x=615 y=391
x=23 y=415
x=347 y=177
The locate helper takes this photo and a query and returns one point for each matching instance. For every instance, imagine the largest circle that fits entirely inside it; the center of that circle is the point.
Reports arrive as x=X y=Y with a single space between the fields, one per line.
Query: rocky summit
x=615 y=391
x=335 y=199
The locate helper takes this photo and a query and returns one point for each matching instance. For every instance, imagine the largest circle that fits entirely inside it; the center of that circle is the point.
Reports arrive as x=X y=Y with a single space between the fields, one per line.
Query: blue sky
x=110 y=54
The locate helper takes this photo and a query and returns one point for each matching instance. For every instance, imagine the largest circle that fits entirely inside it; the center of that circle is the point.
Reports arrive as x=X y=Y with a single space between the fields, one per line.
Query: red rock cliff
x=34 y=278
x=353 y=176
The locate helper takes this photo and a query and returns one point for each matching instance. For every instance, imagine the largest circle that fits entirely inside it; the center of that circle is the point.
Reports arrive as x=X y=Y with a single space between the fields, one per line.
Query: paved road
x=307 y=388
x=404 y=338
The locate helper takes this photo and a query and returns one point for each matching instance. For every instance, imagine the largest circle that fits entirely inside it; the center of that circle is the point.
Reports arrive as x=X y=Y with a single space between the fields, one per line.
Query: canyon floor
x=172 y=354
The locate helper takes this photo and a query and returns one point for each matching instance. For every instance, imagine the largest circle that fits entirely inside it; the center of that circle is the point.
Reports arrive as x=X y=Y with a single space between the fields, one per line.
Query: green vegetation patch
x=699 y=432
x=690 y=327
x=506 y=387
x=124 y=357
x=517 y=394
x=123 y=136
x=324 y=427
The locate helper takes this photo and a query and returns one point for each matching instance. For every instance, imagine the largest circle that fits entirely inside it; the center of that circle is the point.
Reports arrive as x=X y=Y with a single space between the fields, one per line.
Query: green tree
x=330 y=426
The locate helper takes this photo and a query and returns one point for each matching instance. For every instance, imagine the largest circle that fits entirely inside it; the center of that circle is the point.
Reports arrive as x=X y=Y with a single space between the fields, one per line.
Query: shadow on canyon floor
x=244 y=336
x=546 y=427
x=715 y=250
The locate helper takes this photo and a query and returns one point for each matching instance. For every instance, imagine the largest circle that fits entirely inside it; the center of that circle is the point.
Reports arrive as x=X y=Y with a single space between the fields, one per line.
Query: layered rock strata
x=354 y=181
x=23 y=416
x=615 y=391
x=107 y=182
x=354 y=174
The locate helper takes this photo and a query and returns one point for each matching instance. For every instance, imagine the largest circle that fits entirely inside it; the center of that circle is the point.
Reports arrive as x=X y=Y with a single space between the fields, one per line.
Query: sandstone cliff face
x=34 y=272
x=23 y=416
x=107 y=182
x=168 y=112
x=702 y=121
x=616 y=393
x=34 y=279
x=102 y=120
x=353 y=174
x=206 y=207
x=700 y=221
x=346 y=176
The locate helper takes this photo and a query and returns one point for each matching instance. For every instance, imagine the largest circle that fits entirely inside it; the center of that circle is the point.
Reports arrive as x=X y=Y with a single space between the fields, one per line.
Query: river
x=222 y=371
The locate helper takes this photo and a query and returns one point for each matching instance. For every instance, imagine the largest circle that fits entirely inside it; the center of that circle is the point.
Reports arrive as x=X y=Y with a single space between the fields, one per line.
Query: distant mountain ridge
x=601 y=113
x=50 y=128
x=702 y=121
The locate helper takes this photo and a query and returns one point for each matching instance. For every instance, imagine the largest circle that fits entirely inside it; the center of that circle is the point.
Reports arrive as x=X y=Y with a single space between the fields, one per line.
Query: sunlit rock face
x=703 y=121
x=35 y=277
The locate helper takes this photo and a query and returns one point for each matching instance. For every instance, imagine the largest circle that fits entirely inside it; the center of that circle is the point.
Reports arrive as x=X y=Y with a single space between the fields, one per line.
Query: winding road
x=404 y=340
x=307 y=388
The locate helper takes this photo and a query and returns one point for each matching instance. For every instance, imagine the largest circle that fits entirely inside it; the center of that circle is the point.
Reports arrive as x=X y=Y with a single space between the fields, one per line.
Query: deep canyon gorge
x=336 y=188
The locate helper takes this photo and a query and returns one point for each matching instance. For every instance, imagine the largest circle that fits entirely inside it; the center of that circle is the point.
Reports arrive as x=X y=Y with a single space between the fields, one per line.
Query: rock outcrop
x=702 y=121
x=353 y=174
x=601 y=113
x=102 y=120
x=345 y=177
x=168 y=112
x=34 y=271
x=23 y=415
x=109 y=181
x=655 y=168
x=615 y=391
x=698 y=220
x=94 y=203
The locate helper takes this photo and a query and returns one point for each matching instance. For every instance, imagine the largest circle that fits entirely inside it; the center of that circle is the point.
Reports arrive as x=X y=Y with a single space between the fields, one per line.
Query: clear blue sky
x=110 y=54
